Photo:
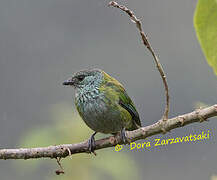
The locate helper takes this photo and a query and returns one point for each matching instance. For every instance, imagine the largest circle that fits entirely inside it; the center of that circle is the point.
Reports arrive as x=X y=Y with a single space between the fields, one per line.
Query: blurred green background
x=43 y=42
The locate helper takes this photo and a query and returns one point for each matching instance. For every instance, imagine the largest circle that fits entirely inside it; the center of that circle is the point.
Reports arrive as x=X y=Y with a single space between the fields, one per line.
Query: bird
x=103 y=104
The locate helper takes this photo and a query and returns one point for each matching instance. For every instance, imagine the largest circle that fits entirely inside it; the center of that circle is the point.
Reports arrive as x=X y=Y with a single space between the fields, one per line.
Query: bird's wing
x=124 y=100
x=127 y=104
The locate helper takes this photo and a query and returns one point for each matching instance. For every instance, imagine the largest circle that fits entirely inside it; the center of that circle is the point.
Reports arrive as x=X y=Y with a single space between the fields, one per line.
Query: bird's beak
x=69 y=82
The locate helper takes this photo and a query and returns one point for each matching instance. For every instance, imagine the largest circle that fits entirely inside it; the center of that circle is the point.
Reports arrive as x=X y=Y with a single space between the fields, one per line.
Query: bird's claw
x=91 y=144
x=123 y=136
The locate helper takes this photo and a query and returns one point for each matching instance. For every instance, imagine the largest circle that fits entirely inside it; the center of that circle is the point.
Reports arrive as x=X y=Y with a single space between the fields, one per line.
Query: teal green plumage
x=103 y=103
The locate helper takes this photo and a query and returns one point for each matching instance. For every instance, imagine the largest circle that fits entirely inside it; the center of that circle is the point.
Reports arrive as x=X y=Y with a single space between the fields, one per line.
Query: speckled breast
x=98 y=112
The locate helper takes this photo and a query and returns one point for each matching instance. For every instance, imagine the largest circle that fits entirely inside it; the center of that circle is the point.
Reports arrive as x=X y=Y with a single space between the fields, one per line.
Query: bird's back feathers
x=117 y=93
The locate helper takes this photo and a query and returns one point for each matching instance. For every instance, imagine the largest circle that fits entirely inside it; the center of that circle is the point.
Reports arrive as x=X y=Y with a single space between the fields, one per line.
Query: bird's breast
x=91 y=104
x=98 y=112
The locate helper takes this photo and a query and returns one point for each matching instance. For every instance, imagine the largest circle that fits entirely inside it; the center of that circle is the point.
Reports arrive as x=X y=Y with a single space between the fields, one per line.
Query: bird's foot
x=91 y=144
x=124 y=137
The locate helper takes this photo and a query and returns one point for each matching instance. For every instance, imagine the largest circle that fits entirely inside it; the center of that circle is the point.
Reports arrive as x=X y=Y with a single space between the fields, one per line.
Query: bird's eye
x=81 y=77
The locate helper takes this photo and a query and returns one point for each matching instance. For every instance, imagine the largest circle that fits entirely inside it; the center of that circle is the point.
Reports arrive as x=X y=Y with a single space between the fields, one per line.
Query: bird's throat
x=89 y=92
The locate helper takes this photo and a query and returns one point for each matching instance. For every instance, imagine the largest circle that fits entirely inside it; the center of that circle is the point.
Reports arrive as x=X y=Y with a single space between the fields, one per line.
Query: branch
x=65 y=150
x=148 y=45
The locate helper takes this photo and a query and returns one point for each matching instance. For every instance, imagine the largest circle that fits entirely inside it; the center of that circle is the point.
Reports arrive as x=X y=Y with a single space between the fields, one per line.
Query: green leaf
x=205 y=23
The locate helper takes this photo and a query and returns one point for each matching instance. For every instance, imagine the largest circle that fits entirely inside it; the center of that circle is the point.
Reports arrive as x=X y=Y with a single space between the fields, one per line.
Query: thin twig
x=141 y=133
x=61 y=170
x=148 y=45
